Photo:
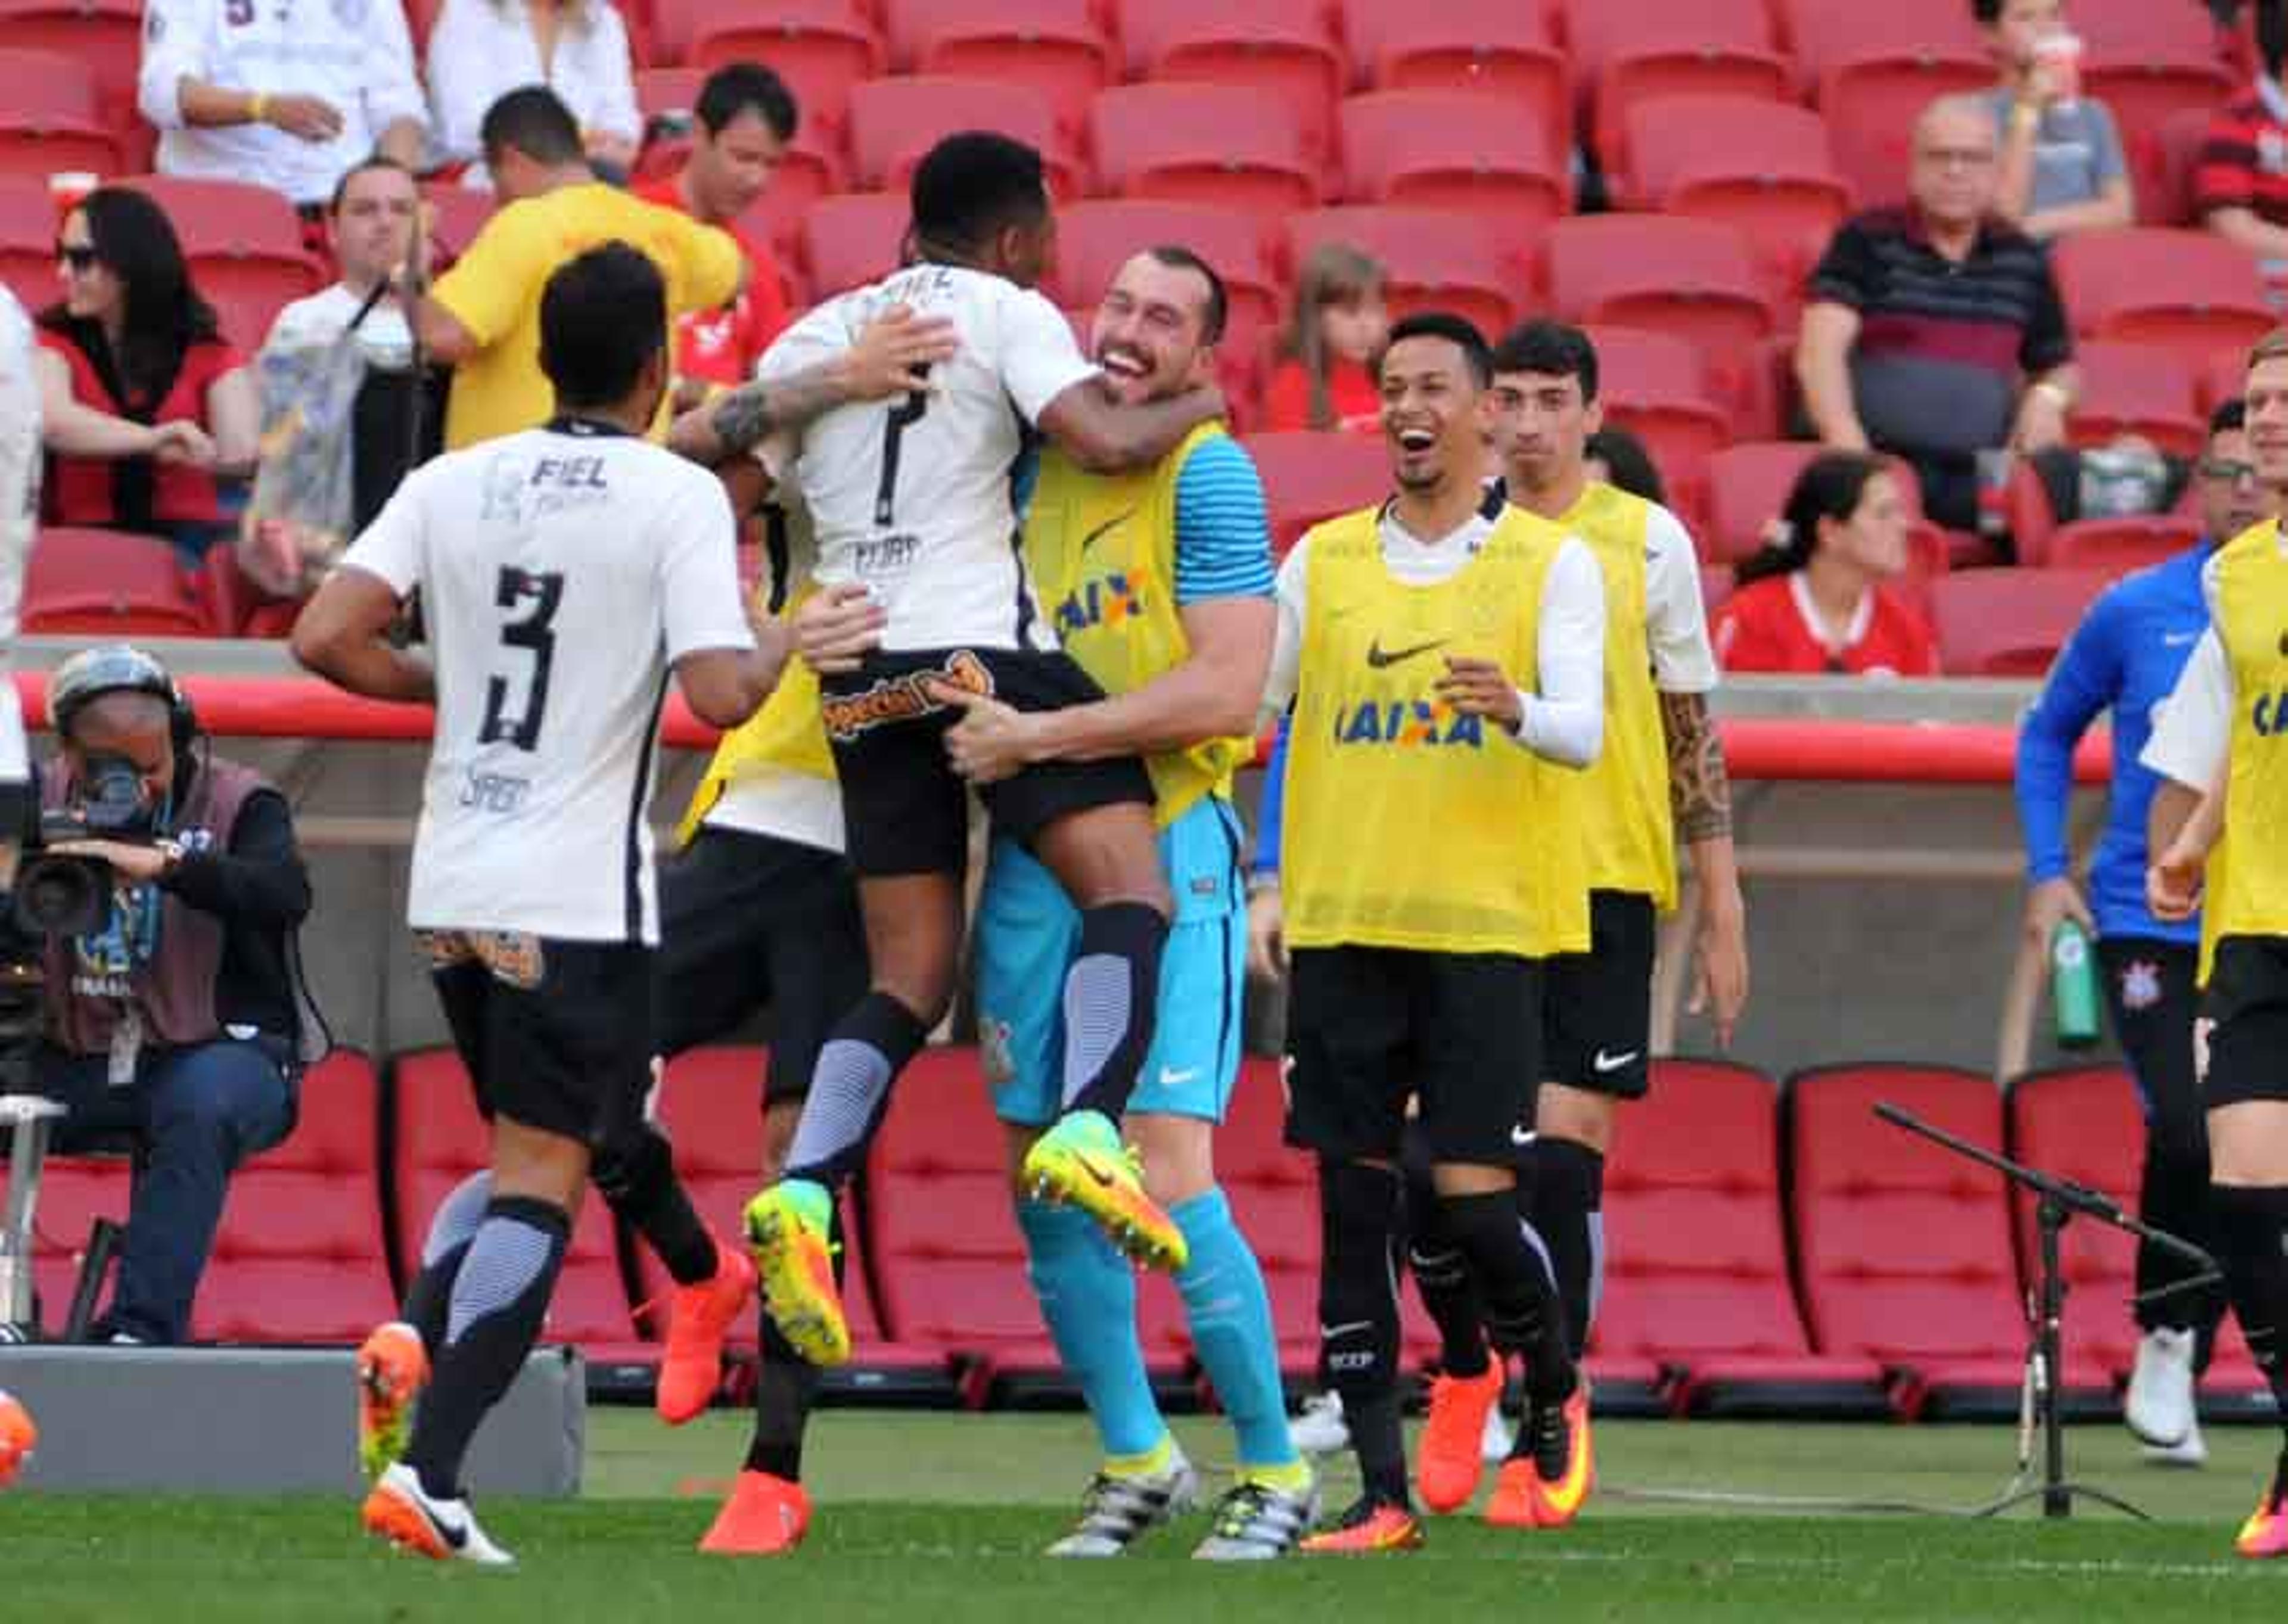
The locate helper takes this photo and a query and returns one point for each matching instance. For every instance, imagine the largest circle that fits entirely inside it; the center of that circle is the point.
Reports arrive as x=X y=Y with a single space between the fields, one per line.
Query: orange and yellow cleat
x=2265 y=1534
x=1564 y=1466
x=698 y=1316
x=1082 y=1162
x=765 y=1516
x=18 y=1436
x=1368 y=1528
x=1453 y=1457
x=790 y=1226
x=393 y=1367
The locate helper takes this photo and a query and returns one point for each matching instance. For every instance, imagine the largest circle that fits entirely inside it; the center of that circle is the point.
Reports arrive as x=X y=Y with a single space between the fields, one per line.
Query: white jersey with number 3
x=915 y=499
x=562 y=571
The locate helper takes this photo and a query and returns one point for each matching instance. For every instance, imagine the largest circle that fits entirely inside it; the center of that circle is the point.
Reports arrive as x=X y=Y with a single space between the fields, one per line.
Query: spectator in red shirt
x=745 y=117
x=142 y=402
x=2240 y=189
x=1337 y=325
x=1814 y=599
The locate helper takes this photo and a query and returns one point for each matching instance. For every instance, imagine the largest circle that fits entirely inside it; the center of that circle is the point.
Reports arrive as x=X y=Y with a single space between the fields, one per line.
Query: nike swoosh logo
x=2178 y=639
x=1095 y=1172
x=1520 y=1136
x=1170 y=1078
x=1328 y=1333
x=1605 y=1063
x=1103 y=530
x=1379 y=656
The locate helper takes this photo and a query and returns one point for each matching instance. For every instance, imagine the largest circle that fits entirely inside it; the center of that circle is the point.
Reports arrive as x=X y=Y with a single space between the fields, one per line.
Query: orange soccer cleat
x=18 y=1436
x=1564 y=1467
x=1452 y=1456
x=765 y=1516
x=393 y=1367
x=1368 y=1528
x=698 y=1316
x=2265 y=1534
x=789 y=1229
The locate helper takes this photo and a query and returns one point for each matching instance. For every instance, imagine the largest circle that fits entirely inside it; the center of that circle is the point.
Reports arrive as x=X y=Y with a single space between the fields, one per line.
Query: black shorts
x=2150 y=991
x=1370 y=1028
x=2248 y=1000
x=557 y=1035
x=906 y=810
x=1597 y=1006
x=749 y=921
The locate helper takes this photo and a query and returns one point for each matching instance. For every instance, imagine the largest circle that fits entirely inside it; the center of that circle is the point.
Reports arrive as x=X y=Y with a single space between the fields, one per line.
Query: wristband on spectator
x=2024 y=116
x=257 y=111
x=2057 y=393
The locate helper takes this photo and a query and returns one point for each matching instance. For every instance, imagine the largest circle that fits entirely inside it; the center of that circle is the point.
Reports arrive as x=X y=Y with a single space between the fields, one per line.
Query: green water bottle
x=2073 y=986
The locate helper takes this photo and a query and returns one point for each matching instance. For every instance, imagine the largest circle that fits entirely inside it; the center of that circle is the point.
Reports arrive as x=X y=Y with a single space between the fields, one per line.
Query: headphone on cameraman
x=121 y=668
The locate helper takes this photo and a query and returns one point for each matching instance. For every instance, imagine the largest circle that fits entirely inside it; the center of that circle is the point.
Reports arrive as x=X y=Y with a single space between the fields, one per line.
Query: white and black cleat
x=1116 y=1512
x=409 y=1517
x=1256 y=1523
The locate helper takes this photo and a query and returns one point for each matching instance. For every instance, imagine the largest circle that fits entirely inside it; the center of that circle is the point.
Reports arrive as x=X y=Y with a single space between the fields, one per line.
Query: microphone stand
x=2057 y=1201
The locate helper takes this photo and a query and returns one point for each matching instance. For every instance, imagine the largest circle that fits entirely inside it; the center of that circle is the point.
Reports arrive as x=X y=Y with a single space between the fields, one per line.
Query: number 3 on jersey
x=538 y=596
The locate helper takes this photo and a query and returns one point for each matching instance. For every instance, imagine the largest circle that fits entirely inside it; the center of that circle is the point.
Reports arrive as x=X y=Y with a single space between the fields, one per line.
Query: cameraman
x=177 y=1020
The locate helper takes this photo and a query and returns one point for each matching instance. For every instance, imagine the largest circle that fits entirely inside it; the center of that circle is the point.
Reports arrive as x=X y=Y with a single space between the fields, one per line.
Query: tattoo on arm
x=753 y=412
x=1699 y=792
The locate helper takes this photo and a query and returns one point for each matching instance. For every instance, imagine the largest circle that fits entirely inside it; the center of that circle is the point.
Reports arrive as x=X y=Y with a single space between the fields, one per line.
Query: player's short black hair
x=363 y=166
x=742 y=87
x=2229 y=417
x=1550 y=349
x=971 y=186
x=1459 y=331
x=532 y=119
x=602 y=316
x=1217 y=313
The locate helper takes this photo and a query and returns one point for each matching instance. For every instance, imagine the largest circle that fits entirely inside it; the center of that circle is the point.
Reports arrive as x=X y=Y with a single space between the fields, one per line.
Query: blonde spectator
x=1336 y=327
x=480 y=50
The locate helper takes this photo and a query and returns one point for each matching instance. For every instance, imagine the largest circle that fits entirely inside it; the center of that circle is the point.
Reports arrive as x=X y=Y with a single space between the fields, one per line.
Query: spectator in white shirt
x=480 y=50
x=370 y=221
x=285 y=93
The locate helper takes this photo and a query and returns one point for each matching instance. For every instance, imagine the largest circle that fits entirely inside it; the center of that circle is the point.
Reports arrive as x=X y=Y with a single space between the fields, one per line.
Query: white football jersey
x=562 y=571
x=915 y=498
x=19 y=509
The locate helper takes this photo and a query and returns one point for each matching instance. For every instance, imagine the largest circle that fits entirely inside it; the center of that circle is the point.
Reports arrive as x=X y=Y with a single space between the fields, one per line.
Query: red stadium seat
x=51 y=119
x=107 y=35
x=1696 y=279
x=2164 y=168
x=1220 y=144
x=1904 y=1248
x=2149 y=64
x=1626 y=50
x=1749 y=484
x=439 y=1140
x=2011 y=622
x=2221 y=379
x=89 y=582
x=300 y=1255
x=949 y=1258
x=27 y=241
x=2116 y=545
x=820 y=48
x=1758 y=165
x=2083 y=1123
x=1274 y=1190
x=1699 y=1268
x=1286 y=48
x=1310 y=475
x=74 y=1191
x=1056 y=47
x=2135 y=389
x=1430 y=260
x=2184 y=290
x=1095 y=239
x=457 y=213
x=894 y=122
x=1872 y=94
x=1653 y=386
x=849 y=241
x=245 y=247
x=675 y=24
x=1819 y=31
x=1505 y=51
x=711 y=1108
x=1460 y=151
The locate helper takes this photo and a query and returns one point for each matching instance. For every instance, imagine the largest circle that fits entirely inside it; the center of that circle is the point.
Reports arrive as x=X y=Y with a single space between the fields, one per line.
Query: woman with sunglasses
x=142 y=402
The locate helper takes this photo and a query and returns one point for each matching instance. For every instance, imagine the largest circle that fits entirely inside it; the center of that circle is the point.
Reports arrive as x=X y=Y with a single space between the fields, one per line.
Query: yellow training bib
x=2250 y=896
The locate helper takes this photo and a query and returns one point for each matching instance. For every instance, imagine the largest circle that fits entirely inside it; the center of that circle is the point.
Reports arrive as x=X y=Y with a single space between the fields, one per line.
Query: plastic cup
x=2060 y=55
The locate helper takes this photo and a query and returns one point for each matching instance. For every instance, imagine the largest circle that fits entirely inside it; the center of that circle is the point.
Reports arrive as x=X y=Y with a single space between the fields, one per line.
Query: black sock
x=1567 y=1213
x=1442 y=1277
x=1359 y=1219
x=429 y=1298
x=1523 y=1314
x=1112 y=991
x=637 y=1180
x=850 y=1087
x=2251 y=1226
x=786 y=1385
x=500 y=1302
x=2173 y=1196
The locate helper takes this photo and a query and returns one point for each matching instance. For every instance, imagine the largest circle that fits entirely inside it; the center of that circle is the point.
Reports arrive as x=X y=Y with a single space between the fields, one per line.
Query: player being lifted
x=915 y=506
x=564 y=572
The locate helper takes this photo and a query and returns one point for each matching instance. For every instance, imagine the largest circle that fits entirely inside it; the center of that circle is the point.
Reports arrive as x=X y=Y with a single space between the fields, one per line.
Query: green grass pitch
x=939 y=1518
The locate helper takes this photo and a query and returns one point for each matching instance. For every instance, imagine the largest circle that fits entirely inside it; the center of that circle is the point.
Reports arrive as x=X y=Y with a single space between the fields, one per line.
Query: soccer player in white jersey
x=20 y=517
x=916 y=505
x=564 y=572
x=288 y=96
